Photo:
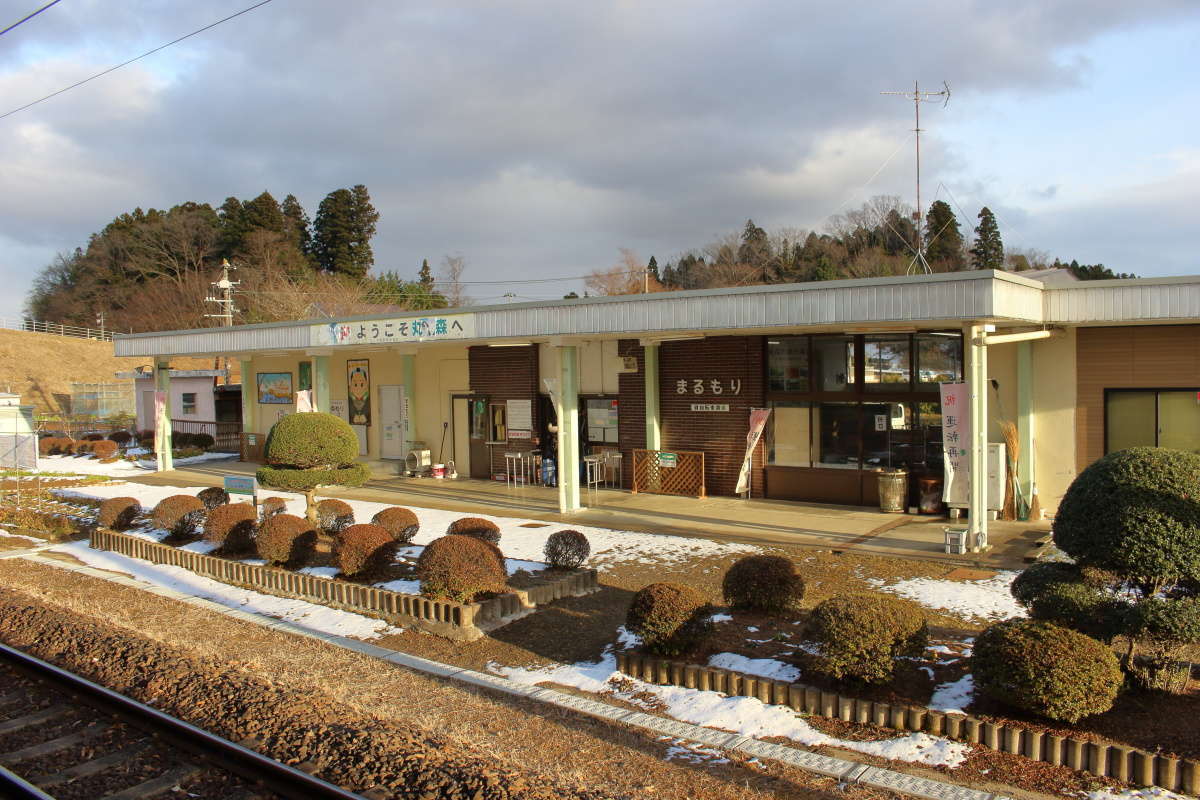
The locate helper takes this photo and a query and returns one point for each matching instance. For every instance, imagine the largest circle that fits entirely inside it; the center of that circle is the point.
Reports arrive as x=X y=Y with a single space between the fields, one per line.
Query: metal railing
x=56 y=328
x=226 y=435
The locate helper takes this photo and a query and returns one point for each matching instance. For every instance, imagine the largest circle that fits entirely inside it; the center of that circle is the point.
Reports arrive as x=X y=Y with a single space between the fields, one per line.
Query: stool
x=613 y=461
x=514 y=469
x=594 y=470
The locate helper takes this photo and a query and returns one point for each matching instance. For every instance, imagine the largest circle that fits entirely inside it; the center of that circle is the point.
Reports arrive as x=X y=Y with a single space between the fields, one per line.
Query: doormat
x=964 y=574
x=534 y=525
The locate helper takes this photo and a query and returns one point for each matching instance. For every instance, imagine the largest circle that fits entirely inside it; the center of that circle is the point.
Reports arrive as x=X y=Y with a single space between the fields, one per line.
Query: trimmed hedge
x=104 y=449
x=271 y=506
x=1036 y=578
x=860 y=636
x=212 y=497
x=311 y=441
x=475 y=526
x=1166 y=630
x=180 y=515
x=303 y=480
x=1045 y=669
x=566 y=549
x=401 y=523
x=93 y=437
x=286 y=539
x=763 y=583
x=334 y=516
x=671 y=618
x=232 y=527
x=1082 y=608
x=1135 y=512
x=460 y=568
x=364 y=548
x=56 y=446
x=118 y=513
x=120 y=437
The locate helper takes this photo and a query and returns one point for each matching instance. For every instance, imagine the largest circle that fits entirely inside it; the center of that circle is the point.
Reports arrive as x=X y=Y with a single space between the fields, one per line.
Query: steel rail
x=242 y=761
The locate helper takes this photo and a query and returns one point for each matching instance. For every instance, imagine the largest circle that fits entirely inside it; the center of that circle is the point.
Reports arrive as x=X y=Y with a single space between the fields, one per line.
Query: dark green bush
x=303 y=480
x=212 y=497
x=231 y=527
x=311 y=441
x=1166 y=630
x=120 y=437
x=860 y=636
x=566 y=549
x=334 y=515
x=1082 y=608
x=1045 y=669
x=460 y=568
x=118 y=513
x=181 y=515
x=764 y=583
x=364 y=549
x=475 y=526
x=286 y=539
x=401 y=523
x=1135 y=512
x=1034 y=579
x=203 y=440
x=93 y=437
x=671 y=618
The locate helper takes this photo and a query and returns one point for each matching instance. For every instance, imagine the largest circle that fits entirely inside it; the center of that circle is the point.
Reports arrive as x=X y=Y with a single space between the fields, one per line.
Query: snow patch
x=987 y=599
x=954 y=697
x=763 y=667
x=1147 y=793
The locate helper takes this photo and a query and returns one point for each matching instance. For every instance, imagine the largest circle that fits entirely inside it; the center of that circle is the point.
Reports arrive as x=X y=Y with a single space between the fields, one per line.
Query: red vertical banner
x=758 y=423
x=956 y=442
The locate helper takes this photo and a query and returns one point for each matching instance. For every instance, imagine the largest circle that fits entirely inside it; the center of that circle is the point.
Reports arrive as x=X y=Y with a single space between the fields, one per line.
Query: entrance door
x=394 y=422
x=461 y=441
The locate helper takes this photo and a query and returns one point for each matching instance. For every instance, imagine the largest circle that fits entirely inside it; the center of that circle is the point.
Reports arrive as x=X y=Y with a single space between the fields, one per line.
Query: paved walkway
x=721 y=518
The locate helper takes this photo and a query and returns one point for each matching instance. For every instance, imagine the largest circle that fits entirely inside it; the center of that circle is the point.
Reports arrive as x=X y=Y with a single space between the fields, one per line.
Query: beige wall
x=440 y=373
x=599 y=366
x=1054 y=402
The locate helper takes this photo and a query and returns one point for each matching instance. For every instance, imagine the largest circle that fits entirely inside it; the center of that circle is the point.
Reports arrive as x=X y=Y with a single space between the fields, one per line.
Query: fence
x=103 y=400
x=226 y=435
x=1082 y=753
x=661 y=472
x=56 y=329
x=461 y=621
x=19 y=450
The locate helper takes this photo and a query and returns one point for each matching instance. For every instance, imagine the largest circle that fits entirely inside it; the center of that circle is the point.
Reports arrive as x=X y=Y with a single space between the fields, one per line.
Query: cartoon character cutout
x=359 y=390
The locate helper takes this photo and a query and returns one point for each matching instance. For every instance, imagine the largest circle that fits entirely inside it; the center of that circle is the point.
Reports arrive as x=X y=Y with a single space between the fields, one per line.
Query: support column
x=977 y=508
x=162 y=419
x=1025 y=466
x=408 y=398
x=321 y=383
x=567 y=411
x=653 y=424
x=249 y=396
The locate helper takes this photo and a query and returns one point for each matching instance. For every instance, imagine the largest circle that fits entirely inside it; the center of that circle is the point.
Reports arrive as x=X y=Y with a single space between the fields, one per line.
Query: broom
x=1012 y=443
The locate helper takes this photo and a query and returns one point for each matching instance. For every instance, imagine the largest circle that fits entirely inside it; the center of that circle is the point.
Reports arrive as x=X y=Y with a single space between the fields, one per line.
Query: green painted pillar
x=321 y=383
x=162 y=418
x=568 y=429
x=1025 y=474
x=249 y=396
x=408 y=398
x=653 y=424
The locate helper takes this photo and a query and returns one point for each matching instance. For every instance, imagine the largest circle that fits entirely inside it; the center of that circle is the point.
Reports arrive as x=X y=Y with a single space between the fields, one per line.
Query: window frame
x=184 y=404
x=1156 y=390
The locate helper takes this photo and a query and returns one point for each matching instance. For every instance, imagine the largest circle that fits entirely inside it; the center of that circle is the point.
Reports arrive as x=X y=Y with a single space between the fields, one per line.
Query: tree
x=342 y=232
x=296 y=223
x=263 y=213
x=305 y=451
x=627 y=276
x=943 y=239
x=988 y=250
x=652 y=269
x=755 y=249
x=1093 y=272
x=425 y=276
x=231 y=217
x=389 y=288
x=452 y=285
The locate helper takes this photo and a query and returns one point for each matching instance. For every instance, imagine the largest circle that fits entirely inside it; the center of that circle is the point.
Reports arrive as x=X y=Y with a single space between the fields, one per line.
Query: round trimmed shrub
x=285 y=539
x=56 y=446
x=271 y=506
x=178 y=515
x=104 y=449
x=1166 y=629
x=203 y=440
x=475 y=526
x=671 y=618
x=364 y=548
x=1035 y=579
x=860 y=636
x=213 y=496
x=120 y=437
x=1135 y=512
x=1045 y=669
x=566 y=549
x=334 y=516
x=119 y=513
x=763 y=583
x=93 y=437
x=231 y=527
x=313 y=440
x=460 y=568
x=401 y=523
x=1082 y=608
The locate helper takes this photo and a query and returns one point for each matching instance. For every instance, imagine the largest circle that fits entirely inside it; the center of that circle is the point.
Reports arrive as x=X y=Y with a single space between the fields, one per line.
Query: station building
x=851 y=371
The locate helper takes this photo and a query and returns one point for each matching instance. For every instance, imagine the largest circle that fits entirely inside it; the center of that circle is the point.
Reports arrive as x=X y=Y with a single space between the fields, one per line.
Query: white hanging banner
x=304 y=401
x=758 y=423
x=956 y=443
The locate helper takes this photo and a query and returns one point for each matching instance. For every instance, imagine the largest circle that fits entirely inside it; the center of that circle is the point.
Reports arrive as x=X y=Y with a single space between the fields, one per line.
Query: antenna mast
x=225 y=301
x=918 y=97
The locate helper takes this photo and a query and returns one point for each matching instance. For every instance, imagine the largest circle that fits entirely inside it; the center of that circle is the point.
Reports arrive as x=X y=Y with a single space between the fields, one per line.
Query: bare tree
x=450 y=283
x=628 y=276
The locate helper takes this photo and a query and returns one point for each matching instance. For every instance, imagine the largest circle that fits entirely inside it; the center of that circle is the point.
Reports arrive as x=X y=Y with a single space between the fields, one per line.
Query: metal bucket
x=893 y=491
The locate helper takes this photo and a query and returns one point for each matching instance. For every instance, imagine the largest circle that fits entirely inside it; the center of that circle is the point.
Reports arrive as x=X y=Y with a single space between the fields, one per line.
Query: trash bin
x=893 y=490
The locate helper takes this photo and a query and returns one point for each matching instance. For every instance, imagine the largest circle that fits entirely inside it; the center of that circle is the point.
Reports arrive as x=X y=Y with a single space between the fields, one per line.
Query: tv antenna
x=918 y=97
x=224 y=288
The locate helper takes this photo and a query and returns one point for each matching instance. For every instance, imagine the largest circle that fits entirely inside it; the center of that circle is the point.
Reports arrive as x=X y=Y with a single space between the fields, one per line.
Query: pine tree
x=342 y=232
x=652 y=268
x=231 y=220
x=988 y=251
x=943 y=239
x=755 y=250
x=425 y=276
x=263 y=212
x=296 y=223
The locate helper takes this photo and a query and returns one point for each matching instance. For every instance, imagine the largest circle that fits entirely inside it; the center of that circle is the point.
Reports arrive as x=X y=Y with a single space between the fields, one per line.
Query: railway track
x=64 y=737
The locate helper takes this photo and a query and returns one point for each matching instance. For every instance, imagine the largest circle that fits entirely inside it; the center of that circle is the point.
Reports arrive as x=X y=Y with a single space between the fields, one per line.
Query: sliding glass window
x=887 y=363
x=787 y=364
x=1152 y=418
x=835 y=363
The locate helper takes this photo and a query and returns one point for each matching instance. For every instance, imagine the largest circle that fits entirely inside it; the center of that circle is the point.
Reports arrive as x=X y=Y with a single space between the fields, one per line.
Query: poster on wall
x=956 y=435
x=337 y=407
x=520 y=414
x=274 y=388
x=358 y=390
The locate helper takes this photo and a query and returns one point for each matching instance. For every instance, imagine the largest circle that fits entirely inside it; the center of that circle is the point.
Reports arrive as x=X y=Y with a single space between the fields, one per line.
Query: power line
x=29 y=16
x=130 y=61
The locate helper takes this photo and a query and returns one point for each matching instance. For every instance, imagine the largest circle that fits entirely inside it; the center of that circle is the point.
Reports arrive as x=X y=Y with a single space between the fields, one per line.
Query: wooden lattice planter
x=459 y=621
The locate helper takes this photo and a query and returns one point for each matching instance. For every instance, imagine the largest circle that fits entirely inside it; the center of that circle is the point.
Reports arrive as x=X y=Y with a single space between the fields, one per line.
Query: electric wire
x=28 y=17
x=102 y=73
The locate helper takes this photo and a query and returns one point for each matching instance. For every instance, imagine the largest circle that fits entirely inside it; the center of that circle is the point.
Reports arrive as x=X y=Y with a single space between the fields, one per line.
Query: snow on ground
x=1147 y=793
x=721 y=618
x=692 y=753
x=763 y=667
x=311 y=615
x=954 y=696
x=522 y=546
x=987 y=599
x=745 y=715
x=86 y=465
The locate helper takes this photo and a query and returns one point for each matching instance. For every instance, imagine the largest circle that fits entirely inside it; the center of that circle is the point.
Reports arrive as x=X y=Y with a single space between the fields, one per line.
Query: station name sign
x=397 y=330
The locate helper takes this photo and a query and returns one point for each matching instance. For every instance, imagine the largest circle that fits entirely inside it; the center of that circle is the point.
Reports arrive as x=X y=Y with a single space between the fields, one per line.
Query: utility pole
x=918 y=97
x=225 y=289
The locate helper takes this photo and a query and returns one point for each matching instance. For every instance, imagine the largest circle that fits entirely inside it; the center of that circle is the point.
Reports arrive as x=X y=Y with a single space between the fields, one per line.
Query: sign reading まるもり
x=394 y=331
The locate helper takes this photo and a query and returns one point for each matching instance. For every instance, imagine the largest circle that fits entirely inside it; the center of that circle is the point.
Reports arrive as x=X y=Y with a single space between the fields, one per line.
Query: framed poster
x=358 y=390
x=274 y=388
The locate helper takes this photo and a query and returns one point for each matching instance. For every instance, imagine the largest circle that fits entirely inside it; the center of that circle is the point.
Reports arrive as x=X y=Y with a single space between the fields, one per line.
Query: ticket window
x=601 y=415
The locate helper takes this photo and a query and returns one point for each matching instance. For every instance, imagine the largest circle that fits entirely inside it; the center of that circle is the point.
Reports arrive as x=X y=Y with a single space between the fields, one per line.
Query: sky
x=537 y=139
